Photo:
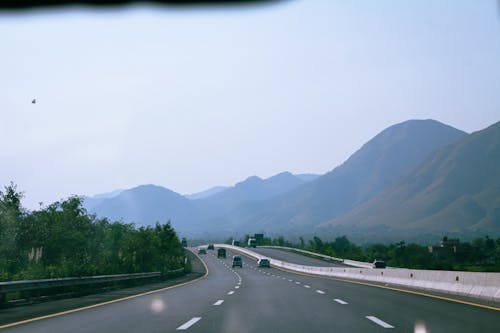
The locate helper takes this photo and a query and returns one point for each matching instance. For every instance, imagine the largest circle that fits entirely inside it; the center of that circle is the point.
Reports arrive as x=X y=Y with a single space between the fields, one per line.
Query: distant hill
x=455 y=189
x=89 y=202
x=148 y=204
x=252 y=188
x=376 y=166
x=287 y=203
x=307 y=177
x=106 y=195
x=207 y=193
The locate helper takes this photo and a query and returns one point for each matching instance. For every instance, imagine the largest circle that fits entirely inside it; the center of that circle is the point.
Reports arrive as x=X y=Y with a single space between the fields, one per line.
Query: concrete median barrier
x=484 y=286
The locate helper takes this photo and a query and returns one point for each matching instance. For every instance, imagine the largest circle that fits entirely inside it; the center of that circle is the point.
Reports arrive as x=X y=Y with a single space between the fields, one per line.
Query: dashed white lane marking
x=320 y=292
x=284 y=278
x=289 y=280
x=306 y=286
x=340 y=301
x=236 y=287
x=231 y=292
x=379 y=322
x=189 y=323
x=219 y=302
x=297 y=282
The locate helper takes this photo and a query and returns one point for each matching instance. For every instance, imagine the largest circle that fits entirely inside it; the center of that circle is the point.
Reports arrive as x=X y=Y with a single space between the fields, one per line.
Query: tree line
x=481 y=254
x=63 y=240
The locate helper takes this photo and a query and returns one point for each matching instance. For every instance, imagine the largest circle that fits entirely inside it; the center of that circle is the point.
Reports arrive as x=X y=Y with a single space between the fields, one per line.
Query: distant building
x=446 y=246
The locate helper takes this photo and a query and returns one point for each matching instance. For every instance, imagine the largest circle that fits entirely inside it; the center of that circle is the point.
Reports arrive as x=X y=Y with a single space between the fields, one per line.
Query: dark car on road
x=221 y=253
x=237 y=261
x=263 y=262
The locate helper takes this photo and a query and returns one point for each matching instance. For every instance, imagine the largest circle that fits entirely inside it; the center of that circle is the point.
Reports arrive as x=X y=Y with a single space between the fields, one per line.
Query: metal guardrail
x=44 y=285
x=25 y=285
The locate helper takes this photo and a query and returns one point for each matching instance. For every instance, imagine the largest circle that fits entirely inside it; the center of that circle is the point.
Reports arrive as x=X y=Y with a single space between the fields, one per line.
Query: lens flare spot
x=420 y=328
x=157 y=305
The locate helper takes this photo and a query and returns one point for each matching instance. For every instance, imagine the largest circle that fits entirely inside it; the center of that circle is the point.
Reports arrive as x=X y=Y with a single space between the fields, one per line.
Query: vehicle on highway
x=252 y=242
x=211 y=247
x=264 y=262
x=237 y=261
x=202 y=250
x=221 y=253
x=378 y=264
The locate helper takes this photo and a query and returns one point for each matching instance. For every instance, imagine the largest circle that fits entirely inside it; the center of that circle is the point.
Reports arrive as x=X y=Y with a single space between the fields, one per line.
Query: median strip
x=379 y=322
x=189 y=323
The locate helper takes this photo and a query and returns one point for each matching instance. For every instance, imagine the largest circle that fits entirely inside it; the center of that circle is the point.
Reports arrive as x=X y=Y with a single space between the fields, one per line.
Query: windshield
x=147 y=148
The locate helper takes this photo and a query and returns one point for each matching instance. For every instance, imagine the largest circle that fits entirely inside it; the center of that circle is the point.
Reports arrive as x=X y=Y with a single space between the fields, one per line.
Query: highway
x=294 y=258
x=252 y=299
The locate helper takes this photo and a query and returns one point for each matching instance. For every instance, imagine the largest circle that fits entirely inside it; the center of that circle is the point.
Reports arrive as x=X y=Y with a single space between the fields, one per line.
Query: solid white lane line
x=320 y=292
x=219 y=302
x=306 y=286
x=231 y=292
x=379 y=322
x=340 y=301
x=189 y=323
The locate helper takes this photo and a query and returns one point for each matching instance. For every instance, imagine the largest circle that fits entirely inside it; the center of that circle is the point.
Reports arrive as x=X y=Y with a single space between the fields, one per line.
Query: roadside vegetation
x=63 y=240
x=481 y=254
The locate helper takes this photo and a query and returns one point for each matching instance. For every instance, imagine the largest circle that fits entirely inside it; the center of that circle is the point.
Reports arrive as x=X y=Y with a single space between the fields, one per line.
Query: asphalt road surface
x=253 y=299
x=295 y=258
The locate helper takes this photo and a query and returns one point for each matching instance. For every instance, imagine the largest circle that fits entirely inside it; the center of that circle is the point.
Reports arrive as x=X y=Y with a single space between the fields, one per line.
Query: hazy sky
x=189 y=99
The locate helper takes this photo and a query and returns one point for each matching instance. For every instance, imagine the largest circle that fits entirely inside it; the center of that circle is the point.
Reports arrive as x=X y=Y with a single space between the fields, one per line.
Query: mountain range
x=456 y=188
x=416 y=175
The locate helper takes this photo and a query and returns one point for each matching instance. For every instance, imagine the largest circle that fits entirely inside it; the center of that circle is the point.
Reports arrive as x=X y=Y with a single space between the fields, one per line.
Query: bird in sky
x=33 y=101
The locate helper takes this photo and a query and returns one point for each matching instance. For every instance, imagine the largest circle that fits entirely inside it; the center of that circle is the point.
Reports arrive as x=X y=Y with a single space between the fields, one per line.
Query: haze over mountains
x=251 y=189
x=419 y=173
x=148 y=204
x=456 y=188
x=373 y=168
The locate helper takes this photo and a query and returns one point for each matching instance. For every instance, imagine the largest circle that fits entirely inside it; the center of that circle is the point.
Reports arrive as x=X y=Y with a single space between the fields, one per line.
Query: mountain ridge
x=378 y=164
x=455 y=186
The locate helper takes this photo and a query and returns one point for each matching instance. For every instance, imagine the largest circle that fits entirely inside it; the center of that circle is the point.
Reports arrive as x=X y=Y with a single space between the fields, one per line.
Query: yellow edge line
x=109 y=302
x=395 y=289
